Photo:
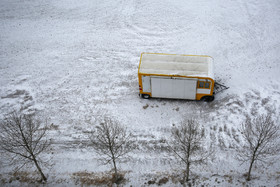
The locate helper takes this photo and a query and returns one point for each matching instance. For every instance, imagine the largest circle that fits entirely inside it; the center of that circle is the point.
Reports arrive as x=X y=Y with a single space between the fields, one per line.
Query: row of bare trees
x=24 y=137
x=260 y=143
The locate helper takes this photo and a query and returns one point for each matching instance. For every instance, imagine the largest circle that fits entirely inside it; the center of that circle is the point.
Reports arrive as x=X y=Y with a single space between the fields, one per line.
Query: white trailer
x=176 y=76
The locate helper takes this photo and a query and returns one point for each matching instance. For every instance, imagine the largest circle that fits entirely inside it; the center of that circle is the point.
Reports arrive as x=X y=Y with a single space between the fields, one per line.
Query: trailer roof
x=171 y=64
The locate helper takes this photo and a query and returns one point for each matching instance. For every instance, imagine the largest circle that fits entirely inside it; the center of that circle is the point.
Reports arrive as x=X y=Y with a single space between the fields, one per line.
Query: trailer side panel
x=146 y=82
x=173 y=88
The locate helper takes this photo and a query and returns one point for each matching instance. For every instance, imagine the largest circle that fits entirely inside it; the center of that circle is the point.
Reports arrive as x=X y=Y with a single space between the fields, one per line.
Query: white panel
x=203 y=91
x=178 y=88
x=161 y=87
x=190 y=88
x=146 y=83
x=173 y=88
x=156 y=91
x=166 y=87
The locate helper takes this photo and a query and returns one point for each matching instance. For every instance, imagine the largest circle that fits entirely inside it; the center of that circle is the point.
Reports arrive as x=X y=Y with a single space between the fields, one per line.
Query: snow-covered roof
x=169 y=64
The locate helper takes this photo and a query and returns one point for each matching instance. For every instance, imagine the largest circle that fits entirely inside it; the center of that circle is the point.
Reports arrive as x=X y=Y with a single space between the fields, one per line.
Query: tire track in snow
x=152 y=34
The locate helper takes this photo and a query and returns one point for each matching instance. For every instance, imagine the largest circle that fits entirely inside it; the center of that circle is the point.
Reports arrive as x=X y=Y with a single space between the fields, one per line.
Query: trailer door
x=173 y=88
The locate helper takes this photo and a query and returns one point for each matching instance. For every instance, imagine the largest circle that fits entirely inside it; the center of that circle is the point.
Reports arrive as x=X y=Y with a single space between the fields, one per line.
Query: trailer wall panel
x=173 y=88
x=146 y=82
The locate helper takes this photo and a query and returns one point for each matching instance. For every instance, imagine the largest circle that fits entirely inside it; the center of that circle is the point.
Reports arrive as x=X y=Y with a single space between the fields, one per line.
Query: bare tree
x=23 y=137
x=260 y=141
x=187 y=145
x=112 y=141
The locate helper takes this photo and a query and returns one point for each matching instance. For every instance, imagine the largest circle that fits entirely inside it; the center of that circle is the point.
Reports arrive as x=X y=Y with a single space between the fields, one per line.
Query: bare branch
x=186 y=145
x=260 y=141
x=22 y=136
x=112 y=141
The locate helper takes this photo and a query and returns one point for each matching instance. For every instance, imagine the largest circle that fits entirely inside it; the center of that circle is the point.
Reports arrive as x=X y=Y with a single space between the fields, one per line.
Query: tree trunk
x=250 y=168
x=251 y=165
x=44 y=178
x=184 y=179
x=188 y=172
x=188 y=160
x=116 y=171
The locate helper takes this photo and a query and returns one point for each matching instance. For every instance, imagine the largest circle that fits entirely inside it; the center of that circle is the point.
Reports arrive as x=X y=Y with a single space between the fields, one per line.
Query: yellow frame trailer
x=176 y=76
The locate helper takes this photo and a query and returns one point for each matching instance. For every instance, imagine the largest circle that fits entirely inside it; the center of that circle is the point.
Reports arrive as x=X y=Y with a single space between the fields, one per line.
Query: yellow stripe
x=174 y=54
x=165 y=75
x=140 y=62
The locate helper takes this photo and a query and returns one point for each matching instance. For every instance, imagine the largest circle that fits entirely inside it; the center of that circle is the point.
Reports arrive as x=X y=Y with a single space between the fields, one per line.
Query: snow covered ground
x=75 y=61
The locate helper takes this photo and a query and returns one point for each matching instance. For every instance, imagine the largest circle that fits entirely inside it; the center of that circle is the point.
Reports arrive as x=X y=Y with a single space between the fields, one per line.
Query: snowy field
x=75 y=61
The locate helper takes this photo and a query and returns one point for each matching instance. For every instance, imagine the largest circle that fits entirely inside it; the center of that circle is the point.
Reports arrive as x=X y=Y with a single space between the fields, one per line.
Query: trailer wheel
x=208 y=98
x=146 y=96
